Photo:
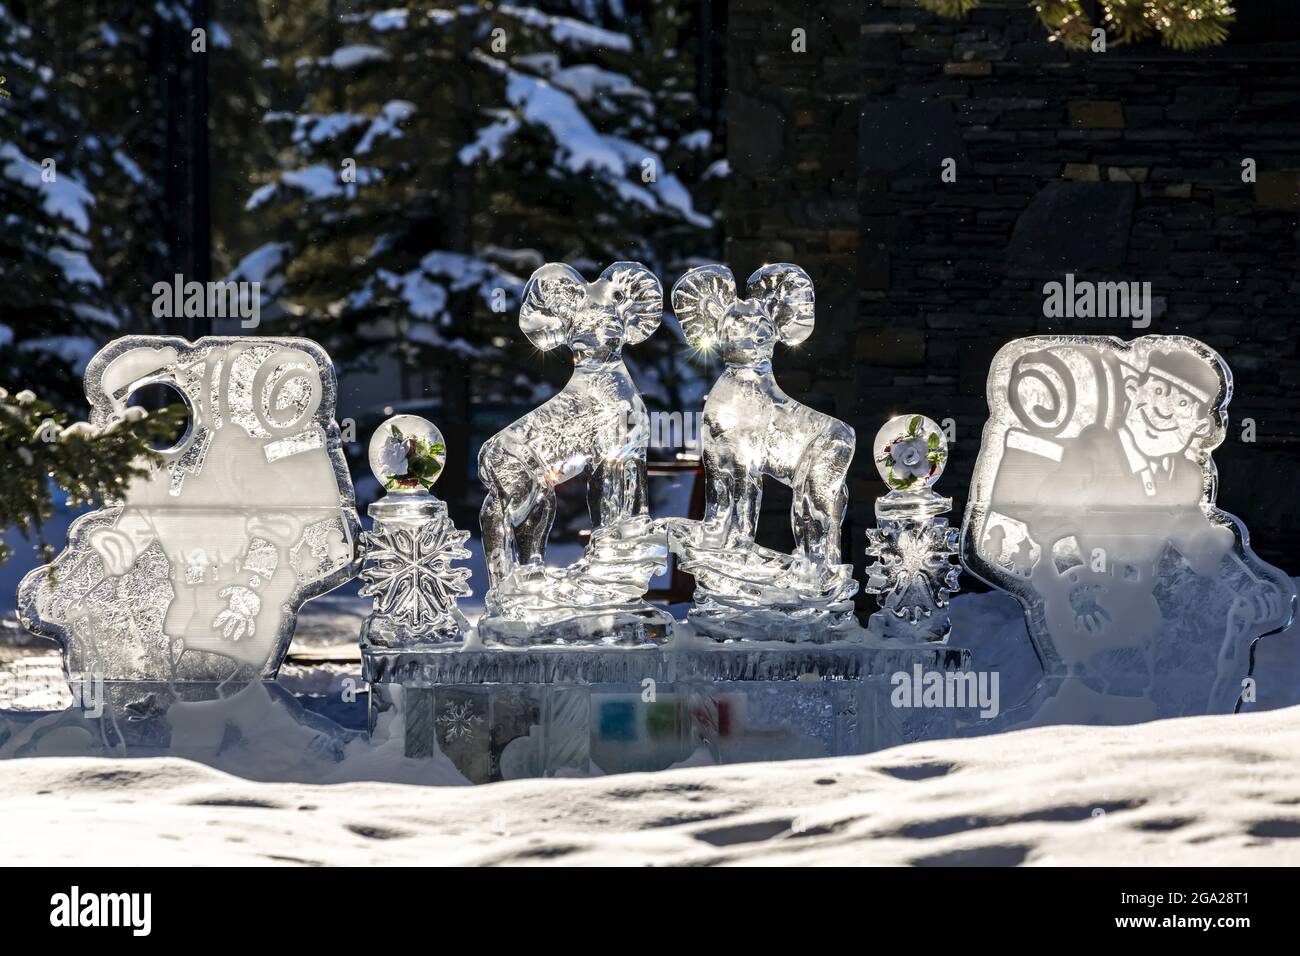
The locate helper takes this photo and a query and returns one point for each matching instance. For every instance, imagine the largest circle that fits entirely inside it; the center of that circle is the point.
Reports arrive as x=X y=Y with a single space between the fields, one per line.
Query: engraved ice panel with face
x=199 y=573
x=1093 y=503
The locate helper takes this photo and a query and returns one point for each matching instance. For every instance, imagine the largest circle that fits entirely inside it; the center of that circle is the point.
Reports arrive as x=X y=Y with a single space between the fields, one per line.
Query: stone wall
x=792 y=133
x=1116 y=166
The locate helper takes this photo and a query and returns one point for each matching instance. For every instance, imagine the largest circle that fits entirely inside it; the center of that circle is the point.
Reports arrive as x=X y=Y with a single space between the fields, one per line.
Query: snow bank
x=1225 y=789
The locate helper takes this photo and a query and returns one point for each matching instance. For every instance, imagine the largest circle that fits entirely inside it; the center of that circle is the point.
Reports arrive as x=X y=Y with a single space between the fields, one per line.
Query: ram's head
x=744 y=331
x=622 y=307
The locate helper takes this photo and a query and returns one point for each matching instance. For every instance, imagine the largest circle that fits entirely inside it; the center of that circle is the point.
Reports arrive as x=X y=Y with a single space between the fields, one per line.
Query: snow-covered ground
x=1221 y=789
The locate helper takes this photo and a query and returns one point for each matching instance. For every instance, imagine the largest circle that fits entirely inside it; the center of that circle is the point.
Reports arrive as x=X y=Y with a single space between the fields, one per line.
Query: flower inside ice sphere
x=910 y=452
x=407 y=454
x=909 y=457
x=393 y=457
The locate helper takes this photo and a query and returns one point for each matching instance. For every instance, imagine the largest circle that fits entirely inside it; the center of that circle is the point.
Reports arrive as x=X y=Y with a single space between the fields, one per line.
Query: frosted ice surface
x=1093 y=503
x=199 y=573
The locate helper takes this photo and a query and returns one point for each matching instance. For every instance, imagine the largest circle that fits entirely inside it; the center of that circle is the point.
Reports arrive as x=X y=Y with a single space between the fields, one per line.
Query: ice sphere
x=198 y=575
x=910 y=452
x=1093 y=503
x=407 y=454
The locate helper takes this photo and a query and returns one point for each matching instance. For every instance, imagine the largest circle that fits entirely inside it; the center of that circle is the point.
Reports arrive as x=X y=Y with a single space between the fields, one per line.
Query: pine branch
x=1180 y=24
x=93 y=465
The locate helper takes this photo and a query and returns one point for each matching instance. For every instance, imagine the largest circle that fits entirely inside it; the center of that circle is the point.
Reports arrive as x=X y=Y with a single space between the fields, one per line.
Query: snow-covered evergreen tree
x=95 y=174
x=55 y=309
x=433 y=155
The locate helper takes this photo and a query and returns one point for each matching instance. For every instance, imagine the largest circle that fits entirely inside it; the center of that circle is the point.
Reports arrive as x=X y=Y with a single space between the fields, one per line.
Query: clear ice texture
x=198 y=574
x=596 y=428
x=1093 y=503
x=563 y=712
x=410 y=548
x=752 y=429
x=914 y=571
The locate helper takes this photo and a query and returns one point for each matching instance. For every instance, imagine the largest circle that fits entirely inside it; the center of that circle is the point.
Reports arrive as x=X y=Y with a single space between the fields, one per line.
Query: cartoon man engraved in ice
x=1093 y=501
x=199 y=573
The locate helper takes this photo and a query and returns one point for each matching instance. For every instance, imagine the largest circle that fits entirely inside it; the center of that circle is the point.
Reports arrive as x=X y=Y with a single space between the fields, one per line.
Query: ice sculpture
x=596 y=427
x=198 y=575
x=751 y=429
x=545 y=711
x=408 y=552
x=1093 y=503
x=915 y=550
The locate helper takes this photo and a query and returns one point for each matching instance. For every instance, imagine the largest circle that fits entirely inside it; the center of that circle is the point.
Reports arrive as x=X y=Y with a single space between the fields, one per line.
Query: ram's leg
x=637 y=483
x=497 y=544
x=733 y=493
x=617 y=489
x=512 y=511
x=604 y=492
x=747 y=484
x=822 y=495
x=533 y=531
x=719 y=492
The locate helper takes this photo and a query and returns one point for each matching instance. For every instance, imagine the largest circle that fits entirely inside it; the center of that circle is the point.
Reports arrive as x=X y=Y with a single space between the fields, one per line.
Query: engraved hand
x=1088 y=614
x=239 y=620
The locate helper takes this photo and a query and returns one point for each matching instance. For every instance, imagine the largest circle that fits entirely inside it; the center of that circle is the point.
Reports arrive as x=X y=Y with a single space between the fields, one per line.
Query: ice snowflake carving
x=914 y=573
x=596 y=428
x=409 y=574
x=409 y=551
x=753 y=429
x=915 y=551
x=458 y=721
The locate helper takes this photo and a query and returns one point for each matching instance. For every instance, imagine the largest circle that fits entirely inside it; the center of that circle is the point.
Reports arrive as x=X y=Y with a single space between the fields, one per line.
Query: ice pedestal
x=913 y=573
x=502 y=714
x=757 y=594
x=597 y=600
x=410 y=549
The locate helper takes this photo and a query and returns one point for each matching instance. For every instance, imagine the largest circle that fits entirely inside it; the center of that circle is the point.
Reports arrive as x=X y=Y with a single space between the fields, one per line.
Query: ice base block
x=632 y=626
x=510 y=713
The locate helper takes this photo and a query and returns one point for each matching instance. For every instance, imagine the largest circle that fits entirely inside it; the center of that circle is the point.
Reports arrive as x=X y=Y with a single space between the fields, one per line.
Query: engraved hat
x=1188 y=372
